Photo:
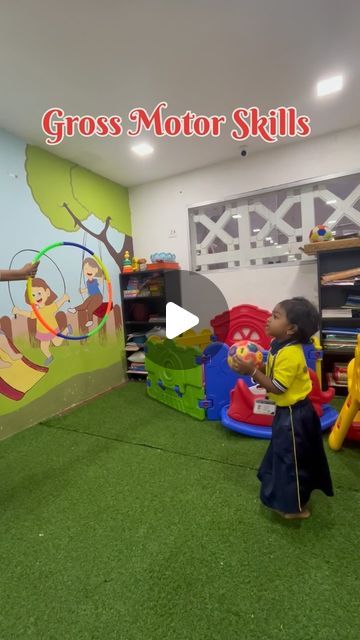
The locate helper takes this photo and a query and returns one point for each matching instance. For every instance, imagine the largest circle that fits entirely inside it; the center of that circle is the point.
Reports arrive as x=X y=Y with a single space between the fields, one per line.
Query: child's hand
x=82 y=290
x=242 y=367
x=15 y=311
x=66 y=297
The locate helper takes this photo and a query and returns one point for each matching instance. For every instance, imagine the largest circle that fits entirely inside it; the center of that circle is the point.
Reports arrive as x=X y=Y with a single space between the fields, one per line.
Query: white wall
x=161 y=206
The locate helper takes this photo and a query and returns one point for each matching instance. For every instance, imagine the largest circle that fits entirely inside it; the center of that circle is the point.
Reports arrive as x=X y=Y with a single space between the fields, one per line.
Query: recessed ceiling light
x=268 y=238
x=236 y=216
x=330 y=85
x=256 y=230
x=333 y=201
x=143 y=149
x=331 y=221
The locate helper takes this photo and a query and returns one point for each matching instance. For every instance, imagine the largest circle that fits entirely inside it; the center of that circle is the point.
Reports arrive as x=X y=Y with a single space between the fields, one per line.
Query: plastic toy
x=239 y=416
x=127 y=265
x=245 y=322
x=205 y=393
x=142 y=264
x=162 y=261
x=179 y=387
x=106 y=275
x=135 y=264
x=247 y=351
x=163 y=257
x=320 y=233
x=350 y=408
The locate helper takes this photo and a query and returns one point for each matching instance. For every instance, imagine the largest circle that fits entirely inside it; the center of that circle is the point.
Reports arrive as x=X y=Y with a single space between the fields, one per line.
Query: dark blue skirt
x=295 y=463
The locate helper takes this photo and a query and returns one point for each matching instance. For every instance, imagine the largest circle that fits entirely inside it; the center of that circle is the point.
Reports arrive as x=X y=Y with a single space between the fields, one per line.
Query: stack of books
x=338 y=312
x=353 y=301
x=340 y=338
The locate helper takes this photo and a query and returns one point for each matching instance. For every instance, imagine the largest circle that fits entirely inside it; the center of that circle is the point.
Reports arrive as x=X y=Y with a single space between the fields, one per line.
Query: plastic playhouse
x=191 y=373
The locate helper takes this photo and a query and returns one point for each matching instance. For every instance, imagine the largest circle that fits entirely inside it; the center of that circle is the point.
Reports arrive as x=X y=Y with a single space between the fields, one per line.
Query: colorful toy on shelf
x=163 y=261
x=135 y=264
x=348 y=422
x=127 y=265
x=247 y=351
x=320 y=233
x=163 y=257
x=142 y=264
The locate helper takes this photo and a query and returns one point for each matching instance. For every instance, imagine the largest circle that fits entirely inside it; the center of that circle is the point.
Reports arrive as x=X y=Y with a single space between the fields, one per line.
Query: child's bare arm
x=27 y=271
x=60 y=301
x=264 y=381
x=20 y=312
x=248 y=369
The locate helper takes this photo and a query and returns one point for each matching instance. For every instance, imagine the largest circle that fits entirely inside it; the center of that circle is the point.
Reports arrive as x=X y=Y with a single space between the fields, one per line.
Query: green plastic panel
x=172 y=379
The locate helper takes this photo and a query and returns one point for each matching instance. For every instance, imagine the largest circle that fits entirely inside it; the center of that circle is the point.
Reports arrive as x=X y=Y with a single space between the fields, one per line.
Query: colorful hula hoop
x=108 y=284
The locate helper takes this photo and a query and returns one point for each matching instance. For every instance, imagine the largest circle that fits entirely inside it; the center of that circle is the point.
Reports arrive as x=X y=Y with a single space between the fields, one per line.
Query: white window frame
x=245 y=255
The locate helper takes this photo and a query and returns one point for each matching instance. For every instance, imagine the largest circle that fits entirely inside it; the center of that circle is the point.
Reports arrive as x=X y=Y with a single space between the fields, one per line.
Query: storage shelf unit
x=137 y=309
x=333 y=297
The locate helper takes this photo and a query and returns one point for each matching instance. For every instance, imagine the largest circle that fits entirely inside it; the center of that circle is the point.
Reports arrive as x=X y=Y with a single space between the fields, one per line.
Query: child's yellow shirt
x=288 y=371
x=48 y=313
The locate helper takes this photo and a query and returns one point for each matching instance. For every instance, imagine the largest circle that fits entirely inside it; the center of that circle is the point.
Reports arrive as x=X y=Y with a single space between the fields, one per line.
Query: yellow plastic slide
x=352 y=403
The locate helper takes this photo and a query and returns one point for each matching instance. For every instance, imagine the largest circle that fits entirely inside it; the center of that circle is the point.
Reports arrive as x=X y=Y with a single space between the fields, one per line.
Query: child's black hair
x=302 y=313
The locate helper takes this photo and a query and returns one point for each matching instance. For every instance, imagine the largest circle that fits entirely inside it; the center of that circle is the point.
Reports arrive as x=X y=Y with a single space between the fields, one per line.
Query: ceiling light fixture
x=143 y=149
x=330 y=85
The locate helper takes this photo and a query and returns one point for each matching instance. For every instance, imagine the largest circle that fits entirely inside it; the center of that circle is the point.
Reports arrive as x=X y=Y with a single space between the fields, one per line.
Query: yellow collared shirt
x=289 y=373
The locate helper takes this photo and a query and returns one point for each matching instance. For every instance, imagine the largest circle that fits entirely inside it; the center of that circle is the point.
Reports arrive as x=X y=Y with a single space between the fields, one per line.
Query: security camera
x=244 y=152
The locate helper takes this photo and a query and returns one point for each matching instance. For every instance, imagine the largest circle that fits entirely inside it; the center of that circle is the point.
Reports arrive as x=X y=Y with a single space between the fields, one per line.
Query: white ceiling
x=210 y=56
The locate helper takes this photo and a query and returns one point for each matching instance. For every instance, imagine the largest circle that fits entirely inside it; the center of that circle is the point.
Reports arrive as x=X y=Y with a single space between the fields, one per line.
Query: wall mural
x=45 y=200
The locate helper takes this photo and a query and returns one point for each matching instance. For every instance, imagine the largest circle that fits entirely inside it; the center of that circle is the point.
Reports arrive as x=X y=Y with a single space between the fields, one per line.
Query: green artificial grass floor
x=125 y=520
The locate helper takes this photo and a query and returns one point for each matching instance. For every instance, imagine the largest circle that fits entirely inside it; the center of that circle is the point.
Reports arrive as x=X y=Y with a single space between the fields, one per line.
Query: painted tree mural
x=68 y=194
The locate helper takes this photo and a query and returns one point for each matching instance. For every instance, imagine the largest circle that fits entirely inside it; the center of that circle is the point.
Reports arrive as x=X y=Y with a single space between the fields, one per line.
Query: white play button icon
x=178 y=320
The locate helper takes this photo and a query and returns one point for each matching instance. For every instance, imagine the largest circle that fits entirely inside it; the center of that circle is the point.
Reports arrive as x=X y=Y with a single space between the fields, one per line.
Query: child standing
x=295 y=463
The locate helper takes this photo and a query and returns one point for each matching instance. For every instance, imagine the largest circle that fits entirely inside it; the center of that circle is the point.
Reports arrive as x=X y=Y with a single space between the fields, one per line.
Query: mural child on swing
x=92 y=275
x=49 y=304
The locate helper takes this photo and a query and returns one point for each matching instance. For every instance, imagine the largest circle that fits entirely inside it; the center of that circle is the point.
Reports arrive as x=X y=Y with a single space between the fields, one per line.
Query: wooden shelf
x=331 y=245
x=149 y=272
